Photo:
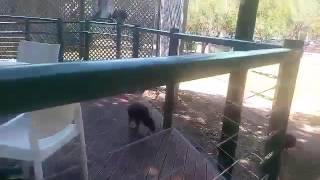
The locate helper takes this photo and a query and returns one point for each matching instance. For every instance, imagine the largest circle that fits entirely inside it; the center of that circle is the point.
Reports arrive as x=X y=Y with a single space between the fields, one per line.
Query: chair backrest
x=37 y=53
x=47 y=122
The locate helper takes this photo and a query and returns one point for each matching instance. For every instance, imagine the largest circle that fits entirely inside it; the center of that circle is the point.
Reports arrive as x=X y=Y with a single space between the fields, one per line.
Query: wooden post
x=118 y=40
x=171 y=88
x=232 y=119
x=237 y=80
x=81 y=39
x=82 y=10
x=288 y=72
x=27 y=30
x=135 y=42
x=60 y=38
x=86 y=41
x=158 y=28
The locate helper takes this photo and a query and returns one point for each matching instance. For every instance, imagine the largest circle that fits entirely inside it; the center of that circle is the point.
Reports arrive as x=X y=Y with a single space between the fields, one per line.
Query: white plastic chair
x=35 y=136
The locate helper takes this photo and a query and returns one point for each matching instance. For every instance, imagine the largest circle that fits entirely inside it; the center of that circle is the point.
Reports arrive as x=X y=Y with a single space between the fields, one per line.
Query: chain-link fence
x=143 y=13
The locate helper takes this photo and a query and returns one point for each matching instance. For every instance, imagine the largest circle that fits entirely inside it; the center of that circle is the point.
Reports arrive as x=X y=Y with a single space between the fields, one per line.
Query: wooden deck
x=165 y=155
x=114 y=152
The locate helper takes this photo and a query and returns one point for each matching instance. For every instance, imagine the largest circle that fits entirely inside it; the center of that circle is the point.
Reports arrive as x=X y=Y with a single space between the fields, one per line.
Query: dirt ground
x=199 y=111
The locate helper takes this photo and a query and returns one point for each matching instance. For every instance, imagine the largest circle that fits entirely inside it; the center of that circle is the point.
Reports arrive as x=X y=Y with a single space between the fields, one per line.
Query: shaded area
x=106 y=129
x=198 y=117
x=303 y=162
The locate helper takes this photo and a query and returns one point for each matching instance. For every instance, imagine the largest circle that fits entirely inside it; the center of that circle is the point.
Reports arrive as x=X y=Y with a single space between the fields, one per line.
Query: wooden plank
x=155 y=168
x=110 y=166
x=129 y=153
x=181 y=154
x=210 y=174
x=201 y=171
x=148 y=162
x=138 y=162
x=171 y=158
x=190 y=167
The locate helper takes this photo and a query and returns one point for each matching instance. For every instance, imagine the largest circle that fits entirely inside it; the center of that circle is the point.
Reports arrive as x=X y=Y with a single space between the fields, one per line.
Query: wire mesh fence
x=103 y=42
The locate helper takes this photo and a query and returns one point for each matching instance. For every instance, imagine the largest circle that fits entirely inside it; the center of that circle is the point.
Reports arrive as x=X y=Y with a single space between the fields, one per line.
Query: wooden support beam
x=288 y=72
x=237 y=80
x=231 y=120
x=118 y=40
x=135 y=42
x=87 y=40
x=60 y=40
x=172 y=87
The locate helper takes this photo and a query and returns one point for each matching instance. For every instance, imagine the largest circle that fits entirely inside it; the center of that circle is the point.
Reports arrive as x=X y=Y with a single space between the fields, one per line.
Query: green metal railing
x=31 y=87
x=84 y=36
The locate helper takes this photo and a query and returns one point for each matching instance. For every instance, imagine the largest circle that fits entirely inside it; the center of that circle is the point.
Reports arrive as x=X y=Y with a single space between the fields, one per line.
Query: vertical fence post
x=81 y=39
x=135 y=42
x=27 y=30
x=60 y=38
x=171 y=87
x=84 y=40
x=288 y=72
x=237 y=80
x=87 y=41
x=118 y=40
x=231 y=120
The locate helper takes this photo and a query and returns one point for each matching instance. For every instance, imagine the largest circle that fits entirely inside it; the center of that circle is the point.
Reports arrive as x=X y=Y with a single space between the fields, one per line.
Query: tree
x=212 y=17
x=276 y=19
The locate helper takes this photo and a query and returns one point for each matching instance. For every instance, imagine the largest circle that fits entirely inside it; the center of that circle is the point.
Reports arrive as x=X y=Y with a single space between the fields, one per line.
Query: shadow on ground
x=198 y=117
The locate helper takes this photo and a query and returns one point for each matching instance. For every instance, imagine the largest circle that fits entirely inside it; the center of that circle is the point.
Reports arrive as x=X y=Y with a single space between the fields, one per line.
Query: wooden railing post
x=60 y=38
x=237 y=81
x=27 y=30
x=87 y=41
x=84 y=40
x=171 y=87
x=231 y=119
x=287 y=76
x=118 y=40
x=81 y=39
x=135 y=42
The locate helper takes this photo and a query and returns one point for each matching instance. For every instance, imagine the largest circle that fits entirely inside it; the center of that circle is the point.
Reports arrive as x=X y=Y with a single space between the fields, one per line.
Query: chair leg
x=26 y=165
x=38 y=173
x=84 y=163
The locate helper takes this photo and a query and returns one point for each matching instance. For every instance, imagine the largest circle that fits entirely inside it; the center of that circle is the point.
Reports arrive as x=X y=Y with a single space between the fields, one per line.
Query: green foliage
x=276 y=19
x=212 y=17
x=272 y=19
